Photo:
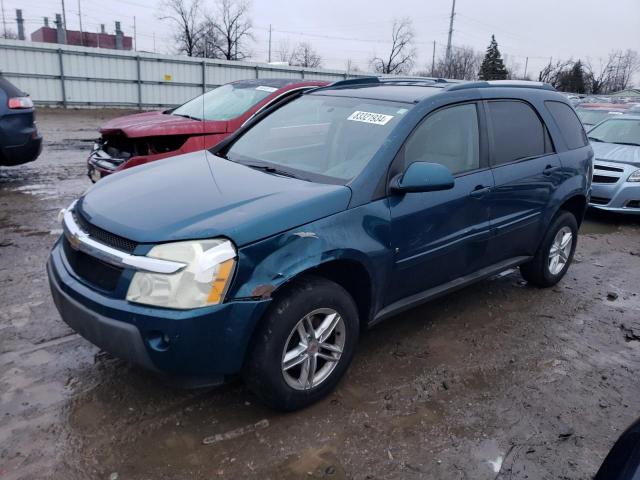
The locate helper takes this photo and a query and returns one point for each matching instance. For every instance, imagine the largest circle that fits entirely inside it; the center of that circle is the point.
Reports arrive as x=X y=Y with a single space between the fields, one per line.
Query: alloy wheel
x=313 y=349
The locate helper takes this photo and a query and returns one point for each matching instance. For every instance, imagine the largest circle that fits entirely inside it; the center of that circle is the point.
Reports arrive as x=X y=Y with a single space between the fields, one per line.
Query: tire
x=541 y=270
x=278 y=336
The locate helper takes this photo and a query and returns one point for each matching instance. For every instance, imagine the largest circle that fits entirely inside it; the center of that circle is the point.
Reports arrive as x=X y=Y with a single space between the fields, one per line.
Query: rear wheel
x=555 y=253
x=304 y=344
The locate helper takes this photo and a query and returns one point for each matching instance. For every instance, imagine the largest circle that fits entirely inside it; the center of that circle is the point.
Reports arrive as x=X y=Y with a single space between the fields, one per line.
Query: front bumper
x=208 y=342
x=613 y=193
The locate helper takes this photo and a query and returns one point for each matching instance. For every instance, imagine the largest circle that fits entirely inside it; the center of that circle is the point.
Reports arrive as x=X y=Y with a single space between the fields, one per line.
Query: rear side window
x=569 y=124
x=449 y=137
x=517 y=132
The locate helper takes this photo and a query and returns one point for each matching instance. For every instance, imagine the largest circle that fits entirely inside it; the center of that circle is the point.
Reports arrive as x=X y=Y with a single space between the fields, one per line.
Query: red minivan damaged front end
x=199 y=124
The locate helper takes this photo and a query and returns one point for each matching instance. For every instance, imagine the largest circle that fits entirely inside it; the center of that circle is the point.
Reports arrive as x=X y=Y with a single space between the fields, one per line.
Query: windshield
x=591 y=117
x=618 y=130
x=224 y=103
x=331 y=138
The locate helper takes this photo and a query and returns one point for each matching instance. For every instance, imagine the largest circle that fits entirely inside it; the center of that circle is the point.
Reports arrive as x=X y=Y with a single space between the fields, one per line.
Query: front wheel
x=555 y=253
x=304 y=344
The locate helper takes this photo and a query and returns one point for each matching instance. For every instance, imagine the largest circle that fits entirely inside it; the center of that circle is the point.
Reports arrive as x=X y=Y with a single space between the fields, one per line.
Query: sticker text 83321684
x=370 y=117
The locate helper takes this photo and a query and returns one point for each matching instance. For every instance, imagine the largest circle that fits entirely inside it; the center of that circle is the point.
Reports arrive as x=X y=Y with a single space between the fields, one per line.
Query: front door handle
x=480 y=191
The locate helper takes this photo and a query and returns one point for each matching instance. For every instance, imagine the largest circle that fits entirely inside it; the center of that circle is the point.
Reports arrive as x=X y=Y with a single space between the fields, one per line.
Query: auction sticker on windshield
x=369 y=117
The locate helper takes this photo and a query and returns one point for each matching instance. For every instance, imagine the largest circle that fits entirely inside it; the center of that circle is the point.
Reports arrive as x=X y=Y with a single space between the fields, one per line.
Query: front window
x=319 y=137
x=618 y=130
x=225 y=102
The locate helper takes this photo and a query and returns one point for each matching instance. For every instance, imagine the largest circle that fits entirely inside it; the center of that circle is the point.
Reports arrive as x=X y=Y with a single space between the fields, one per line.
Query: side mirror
x=423 y=177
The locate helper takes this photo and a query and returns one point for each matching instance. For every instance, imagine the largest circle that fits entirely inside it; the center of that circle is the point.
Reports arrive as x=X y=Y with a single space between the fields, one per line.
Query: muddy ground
x=500 y=380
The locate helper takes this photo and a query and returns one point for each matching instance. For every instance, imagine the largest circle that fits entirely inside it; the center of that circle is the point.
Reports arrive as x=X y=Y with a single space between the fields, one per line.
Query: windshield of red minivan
x=224 y=103
x=321 y=135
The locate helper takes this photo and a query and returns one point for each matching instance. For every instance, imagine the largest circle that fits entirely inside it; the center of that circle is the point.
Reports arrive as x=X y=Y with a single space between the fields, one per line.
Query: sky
x=360 y=29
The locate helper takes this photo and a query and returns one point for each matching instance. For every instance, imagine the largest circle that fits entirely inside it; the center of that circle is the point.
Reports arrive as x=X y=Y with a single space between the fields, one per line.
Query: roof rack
x=392 y=79
x=501 y=83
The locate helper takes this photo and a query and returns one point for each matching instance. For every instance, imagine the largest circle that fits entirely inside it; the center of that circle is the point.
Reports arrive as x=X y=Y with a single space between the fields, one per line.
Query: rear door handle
x=549 y=169
x=480 y=191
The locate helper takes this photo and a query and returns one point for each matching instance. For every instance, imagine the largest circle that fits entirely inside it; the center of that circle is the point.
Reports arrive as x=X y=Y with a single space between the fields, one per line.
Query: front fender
x=360 y=235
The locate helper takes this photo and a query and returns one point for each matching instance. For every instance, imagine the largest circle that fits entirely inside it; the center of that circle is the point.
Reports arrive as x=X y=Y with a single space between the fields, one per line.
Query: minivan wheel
x=304 y=344
x=555 y=253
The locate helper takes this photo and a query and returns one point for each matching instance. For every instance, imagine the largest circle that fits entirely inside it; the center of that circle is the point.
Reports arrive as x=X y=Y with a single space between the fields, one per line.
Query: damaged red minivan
x=199 y=124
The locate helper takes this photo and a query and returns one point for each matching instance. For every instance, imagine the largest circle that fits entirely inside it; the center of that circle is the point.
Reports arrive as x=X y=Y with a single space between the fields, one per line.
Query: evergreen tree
x=572 y=79
x=492 y=67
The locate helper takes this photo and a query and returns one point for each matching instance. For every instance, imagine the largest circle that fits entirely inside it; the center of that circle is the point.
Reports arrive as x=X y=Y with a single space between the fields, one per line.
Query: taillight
x=20 y=102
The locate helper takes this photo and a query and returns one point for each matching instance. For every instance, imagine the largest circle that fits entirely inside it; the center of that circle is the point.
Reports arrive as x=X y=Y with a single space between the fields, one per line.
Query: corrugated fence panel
x=94 y=77
x=169 y=72
x=166 y=95
x=49 y=89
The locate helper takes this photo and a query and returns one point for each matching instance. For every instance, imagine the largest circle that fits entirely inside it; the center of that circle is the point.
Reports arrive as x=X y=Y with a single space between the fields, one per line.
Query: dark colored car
x=199 y=124
x=20 y=141
x=269 y=254
x=623 y=461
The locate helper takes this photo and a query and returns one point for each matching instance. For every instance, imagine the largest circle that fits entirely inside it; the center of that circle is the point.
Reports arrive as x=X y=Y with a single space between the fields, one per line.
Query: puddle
x=42 y=191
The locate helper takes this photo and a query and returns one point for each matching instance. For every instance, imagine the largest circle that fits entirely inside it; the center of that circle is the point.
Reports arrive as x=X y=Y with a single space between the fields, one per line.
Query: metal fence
x=64 y=75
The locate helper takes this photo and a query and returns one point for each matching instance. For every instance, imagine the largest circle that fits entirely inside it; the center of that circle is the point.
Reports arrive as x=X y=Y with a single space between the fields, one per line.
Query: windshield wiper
x=595 y=139
x=274 y=170
x=186 y=116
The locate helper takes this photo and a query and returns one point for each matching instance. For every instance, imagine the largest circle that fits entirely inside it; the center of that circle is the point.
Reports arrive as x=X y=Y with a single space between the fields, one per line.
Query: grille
x=633 y=204
x=608 y=169
x=600 y=200
x=103 y=236
x=603 y=179
x=91 y=269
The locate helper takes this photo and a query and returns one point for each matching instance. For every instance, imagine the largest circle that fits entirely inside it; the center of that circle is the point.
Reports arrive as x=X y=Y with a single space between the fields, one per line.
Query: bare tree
x=185 y=15
x=402 y=55
x=285 y=53
x=463 y=64
x=305 y=56
x=233 y=26
x=553 y=73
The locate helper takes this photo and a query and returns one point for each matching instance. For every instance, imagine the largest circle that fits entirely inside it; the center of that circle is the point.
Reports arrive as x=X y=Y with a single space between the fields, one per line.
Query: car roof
x=415 y=89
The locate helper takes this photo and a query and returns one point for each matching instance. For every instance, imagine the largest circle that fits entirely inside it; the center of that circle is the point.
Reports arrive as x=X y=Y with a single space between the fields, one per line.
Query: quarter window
x=449 y=137
x=569 y=124
x=517 y=132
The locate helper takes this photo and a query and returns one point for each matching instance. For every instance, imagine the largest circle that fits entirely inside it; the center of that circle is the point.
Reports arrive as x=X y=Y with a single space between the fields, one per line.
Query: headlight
x=204 y=281
x=634 y=177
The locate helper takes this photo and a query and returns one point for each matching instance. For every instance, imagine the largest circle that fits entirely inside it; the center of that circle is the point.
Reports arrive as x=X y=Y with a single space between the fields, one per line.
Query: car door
x=440 y=236
x=526 y=171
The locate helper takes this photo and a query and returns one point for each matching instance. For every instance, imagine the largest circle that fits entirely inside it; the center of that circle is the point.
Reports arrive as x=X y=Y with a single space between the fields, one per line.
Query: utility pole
x=4 y=21
x=64 y=21
x=135 y=34
x=154 y=43
x=433 y=60
x=269 y=43
x=80 y=21
x=448 y=54
x=526 y=64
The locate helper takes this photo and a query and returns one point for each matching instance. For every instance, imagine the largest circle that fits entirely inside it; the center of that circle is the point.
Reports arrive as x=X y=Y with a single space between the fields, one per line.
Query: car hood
x=613 y=152
x=199 y=195
x=158 y=123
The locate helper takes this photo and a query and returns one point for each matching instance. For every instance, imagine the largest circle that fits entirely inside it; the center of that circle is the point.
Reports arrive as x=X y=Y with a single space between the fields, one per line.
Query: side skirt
x=435 y=292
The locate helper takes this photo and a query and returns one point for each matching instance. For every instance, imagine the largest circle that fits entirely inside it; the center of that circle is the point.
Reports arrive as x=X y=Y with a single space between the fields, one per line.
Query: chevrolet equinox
x=268 y=255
